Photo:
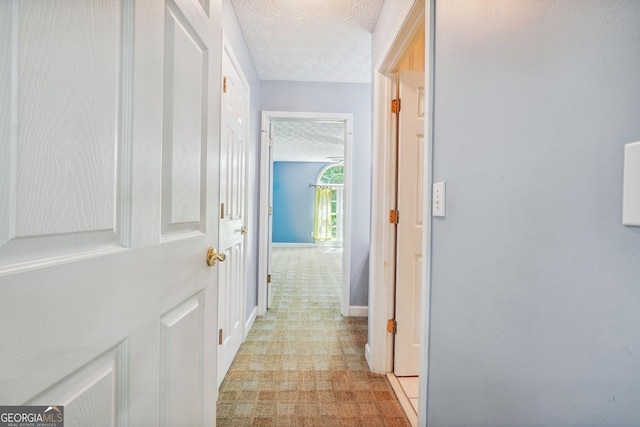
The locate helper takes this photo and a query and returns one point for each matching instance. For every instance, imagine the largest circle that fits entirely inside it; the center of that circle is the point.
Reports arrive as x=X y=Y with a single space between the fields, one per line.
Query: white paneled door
x=410 y=228
x=109 y=130
x=233 y=210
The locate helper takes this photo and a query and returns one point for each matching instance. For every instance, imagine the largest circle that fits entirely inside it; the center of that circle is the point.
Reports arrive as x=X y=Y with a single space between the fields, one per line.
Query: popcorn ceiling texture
x=307 y=141
x=310 y=40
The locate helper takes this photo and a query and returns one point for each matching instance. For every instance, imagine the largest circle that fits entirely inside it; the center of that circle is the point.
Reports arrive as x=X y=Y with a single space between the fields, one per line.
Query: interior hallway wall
x=535 y=281
x=234 y=35
x=383 y=32
x=350 y=98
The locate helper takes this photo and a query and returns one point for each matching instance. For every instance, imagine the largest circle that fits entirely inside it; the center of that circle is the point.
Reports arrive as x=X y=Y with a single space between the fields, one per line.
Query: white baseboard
x=367 y=355
x=358 y=311
x=307 y=245
x=330 y=244
x=249 y=322
x=293 y=245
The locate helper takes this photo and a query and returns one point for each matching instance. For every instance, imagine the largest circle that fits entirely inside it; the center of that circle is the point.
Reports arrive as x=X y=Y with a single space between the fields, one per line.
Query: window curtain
x=322 y=219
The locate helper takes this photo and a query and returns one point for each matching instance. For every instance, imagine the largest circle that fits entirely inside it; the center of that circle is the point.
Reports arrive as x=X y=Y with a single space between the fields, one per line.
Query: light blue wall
x=294 y=201
x=535 y=297
x=235 y=37
x=339 y=98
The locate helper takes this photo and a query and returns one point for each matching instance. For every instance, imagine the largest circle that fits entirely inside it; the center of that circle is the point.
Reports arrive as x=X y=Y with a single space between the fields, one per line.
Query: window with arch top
x=328 y=221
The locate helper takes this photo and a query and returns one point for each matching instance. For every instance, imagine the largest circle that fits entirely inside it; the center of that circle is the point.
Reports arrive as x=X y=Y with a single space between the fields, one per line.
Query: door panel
x=60 y=171
x=185 y=132
x=65 y=174
x=410 y=226
x=94 y=394
x=100 y=310
x=181 y=364
x=7 y=148
x=233 y=196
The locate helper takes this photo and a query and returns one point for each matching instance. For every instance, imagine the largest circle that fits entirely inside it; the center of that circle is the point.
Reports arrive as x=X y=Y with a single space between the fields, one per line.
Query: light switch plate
x=631 y=190
x=438 y=199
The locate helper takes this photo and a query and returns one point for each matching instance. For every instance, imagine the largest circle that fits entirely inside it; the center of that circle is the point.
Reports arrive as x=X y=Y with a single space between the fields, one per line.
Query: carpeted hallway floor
x=303 y=363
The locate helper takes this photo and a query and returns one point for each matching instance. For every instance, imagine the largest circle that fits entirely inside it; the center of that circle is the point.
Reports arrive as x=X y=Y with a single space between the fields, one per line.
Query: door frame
x=266 y=172
x=379 y=349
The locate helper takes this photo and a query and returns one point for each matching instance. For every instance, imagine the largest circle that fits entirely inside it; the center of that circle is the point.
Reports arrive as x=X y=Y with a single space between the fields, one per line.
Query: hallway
x=303 y=363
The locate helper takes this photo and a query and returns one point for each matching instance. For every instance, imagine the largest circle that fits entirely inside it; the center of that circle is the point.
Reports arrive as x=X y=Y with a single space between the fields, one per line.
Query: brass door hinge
x=220 y=336
x=221 y=210
x=268 y=278
x=394 y=216
x=395 y=106
x=392 y=326
x=224 y=84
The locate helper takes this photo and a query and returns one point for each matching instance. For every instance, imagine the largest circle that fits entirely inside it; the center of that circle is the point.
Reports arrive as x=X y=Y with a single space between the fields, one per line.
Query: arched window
x=332 y=174
x=328 y=221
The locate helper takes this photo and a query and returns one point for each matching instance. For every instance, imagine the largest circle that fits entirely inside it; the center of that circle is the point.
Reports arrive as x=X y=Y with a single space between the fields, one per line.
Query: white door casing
x=408 y=27
x=233 y=210
x=415 y=15
x=108 y=181
x=266 y=180
x=410 y=226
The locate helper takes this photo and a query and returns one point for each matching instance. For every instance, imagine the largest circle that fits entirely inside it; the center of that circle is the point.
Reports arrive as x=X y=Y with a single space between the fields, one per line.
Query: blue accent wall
x=294 y=201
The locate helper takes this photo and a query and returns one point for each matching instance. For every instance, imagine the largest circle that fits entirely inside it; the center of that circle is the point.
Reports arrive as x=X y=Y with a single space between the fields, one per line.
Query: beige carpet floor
x=303 y=363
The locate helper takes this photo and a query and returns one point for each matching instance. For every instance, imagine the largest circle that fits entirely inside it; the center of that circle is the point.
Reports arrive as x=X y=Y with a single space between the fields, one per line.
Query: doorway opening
x=298 y=209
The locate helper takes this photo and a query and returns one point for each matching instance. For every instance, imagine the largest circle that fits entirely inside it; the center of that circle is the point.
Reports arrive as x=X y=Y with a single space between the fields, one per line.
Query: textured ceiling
x=310 y=40
x=307 y=141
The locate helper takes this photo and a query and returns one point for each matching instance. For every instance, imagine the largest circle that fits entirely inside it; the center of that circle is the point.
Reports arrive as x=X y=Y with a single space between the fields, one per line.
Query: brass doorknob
x=213 y=256
x=243 y=230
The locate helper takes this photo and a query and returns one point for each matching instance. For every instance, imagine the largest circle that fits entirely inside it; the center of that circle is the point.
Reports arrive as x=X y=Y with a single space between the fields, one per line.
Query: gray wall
x=386 y=23
x=535 y=316
x=339 y=98
x=235 y=37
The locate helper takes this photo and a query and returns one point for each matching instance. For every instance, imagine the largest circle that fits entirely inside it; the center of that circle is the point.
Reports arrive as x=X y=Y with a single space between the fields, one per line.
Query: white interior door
x=410 y=226
x=108 y=140
x=233 y=202
x=269 y=245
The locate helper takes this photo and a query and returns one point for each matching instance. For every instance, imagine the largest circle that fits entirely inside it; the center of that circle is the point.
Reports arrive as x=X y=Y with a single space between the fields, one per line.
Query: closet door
x=410 y=227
